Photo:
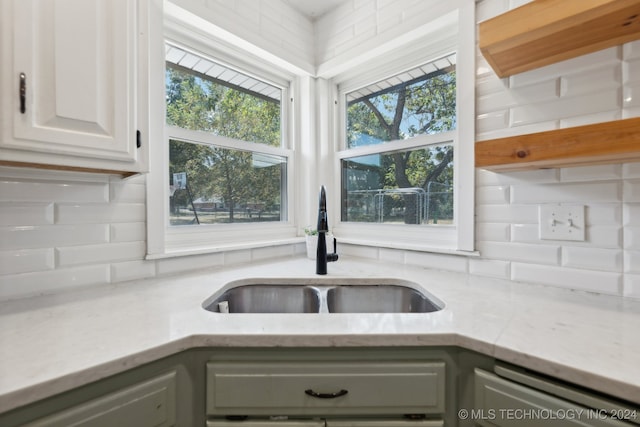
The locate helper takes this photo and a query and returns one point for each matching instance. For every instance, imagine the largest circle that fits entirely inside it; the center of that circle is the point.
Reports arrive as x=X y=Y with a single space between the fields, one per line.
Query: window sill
x=178 y=252
x=405 y=246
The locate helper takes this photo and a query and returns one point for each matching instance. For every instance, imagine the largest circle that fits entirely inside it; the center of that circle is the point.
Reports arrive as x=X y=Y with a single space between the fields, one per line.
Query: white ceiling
x=314 y=8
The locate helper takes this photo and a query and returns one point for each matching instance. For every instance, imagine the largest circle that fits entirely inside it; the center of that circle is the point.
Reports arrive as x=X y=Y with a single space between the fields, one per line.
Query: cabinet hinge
x=138 y=139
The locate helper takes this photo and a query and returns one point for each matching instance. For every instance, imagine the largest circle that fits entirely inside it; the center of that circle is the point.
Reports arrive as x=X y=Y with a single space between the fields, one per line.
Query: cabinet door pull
x=23 y=93
x=326 y=395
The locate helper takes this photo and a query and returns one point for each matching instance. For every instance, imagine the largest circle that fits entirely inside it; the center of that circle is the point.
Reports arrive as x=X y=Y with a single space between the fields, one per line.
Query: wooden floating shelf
x=547 y=31
x=603 y=143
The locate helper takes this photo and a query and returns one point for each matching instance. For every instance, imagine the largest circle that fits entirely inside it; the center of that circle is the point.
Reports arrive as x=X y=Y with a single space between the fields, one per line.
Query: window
x=215 y=180
x=406 y=150
x=410 y=186
x=227 y=162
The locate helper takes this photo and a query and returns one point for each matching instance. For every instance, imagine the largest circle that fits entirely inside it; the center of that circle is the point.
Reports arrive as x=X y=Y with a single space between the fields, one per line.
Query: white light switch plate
x=562 y=222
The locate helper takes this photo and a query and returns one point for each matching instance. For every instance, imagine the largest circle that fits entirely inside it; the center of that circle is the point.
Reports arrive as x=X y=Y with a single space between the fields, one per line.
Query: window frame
x=165 y=240
x=457 y=238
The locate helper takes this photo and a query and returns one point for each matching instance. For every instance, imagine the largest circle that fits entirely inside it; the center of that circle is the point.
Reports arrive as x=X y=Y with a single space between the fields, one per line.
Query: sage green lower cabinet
x=148 y=404
x=328 y=423
x=501 y=402
x=327 y=388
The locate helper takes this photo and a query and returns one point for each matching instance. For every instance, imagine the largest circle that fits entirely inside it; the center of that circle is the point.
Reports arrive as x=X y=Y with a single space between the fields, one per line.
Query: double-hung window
x=406 y=155
x=228 y=167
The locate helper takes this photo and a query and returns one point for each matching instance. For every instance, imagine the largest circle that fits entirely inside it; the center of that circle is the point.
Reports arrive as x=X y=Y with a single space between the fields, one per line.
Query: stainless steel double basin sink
x=311 y=295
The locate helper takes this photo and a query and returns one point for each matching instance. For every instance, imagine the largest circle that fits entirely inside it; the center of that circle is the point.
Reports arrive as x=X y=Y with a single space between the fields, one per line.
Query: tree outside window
x=412 y=186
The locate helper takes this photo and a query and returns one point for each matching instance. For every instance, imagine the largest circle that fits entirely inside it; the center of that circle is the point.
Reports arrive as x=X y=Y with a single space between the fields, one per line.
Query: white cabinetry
x=70 y=84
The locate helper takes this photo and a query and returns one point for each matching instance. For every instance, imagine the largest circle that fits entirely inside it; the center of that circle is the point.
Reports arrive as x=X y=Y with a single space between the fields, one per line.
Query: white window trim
x=456 y=239
x=164 y=240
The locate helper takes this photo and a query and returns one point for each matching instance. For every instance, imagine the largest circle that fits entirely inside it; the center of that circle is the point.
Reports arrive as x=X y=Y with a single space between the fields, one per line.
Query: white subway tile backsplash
x=26 y=213
x=125 y=191
x=237 y=257
x=590 y=103
x=604 y=236
x=18 y=190
x=596 y=192
x=190 y=263
x=518 y=130
x=630 y=70
x=632 y=214
x=631 y=238
x=87 y=254
x=526 y=233
x=594 y=80
x=49 y=236
x=538 y=92
x=498 y=232
x=282 y=251
x=591 y=173
x=128 y=232
x=360 y=251
x=61 y=279
x=631 y=170
x=492 y=195
x=589 y=119
x=603 y=214
x=437 y=261
x=606 y=57
x=26 y=260
x=592 y=258
x=632 y=261
x=632 y=285
x=586 y=280
x=100 y=213
x=489 y=267
x=492 y=121
x=631 y=190
x=541 y=176
x=507 y=213
x=533 y=253
x=631 y=50
x=132 y=270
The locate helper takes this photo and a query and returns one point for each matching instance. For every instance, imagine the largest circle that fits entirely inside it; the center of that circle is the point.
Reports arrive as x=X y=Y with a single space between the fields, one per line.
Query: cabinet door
x=502 y=403
x=148 y=404
x=77 y=59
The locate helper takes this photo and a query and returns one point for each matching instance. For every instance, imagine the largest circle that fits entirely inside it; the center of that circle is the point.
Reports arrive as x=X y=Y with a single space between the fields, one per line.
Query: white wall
x=61 y=230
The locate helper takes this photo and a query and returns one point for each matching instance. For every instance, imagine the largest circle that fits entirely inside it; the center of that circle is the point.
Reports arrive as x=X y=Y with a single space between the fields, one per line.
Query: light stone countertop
x=55 y=343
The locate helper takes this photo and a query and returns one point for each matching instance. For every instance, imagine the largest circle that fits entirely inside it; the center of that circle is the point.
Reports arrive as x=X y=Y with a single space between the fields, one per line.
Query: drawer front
x=360 y=388
x=328 y=423
x=500 y=402
x=148 y=404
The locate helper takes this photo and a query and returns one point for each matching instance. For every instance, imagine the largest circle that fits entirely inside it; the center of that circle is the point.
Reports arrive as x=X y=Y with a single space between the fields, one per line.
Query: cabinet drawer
x=329 y=423
x=148 y=404
x=500 y=402
x=276 y=388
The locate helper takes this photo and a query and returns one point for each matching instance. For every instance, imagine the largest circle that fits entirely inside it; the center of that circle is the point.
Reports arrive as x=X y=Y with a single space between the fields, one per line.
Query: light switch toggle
x=562 y=222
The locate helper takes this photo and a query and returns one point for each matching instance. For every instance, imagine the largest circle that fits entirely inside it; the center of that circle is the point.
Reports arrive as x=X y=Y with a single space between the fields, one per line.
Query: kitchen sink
x=378 y=299
x=322 y=296
x=262 y=298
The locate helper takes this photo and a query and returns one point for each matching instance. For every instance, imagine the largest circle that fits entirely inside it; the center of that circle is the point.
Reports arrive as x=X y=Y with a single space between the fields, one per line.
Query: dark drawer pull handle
x=326 y=395
x=23 y=93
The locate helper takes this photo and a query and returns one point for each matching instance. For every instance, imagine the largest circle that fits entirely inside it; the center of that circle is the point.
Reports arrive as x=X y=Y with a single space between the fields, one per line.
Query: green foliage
x=231 y=178
x=404 y=111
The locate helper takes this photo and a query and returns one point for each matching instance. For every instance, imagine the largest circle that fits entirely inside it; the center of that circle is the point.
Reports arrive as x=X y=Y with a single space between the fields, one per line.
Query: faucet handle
x=334 y=256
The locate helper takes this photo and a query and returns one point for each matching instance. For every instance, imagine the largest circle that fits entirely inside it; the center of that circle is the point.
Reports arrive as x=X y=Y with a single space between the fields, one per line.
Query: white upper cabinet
x=70 y=85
